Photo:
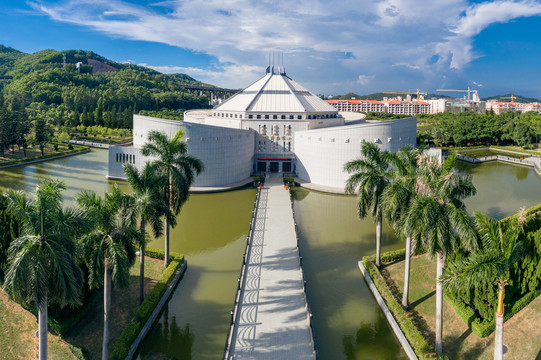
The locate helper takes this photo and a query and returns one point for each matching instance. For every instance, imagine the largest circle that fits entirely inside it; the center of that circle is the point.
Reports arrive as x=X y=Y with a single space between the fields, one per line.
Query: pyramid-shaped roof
x=275 y=93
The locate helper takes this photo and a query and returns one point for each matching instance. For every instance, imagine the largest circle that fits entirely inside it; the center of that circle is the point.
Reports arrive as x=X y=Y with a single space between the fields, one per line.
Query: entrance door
x=274 y=166
x=286 y=166
x=261 y=166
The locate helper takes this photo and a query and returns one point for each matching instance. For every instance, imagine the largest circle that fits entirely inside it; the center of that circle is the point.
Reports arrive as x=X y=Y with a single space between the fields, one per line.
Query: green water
x=212 y=233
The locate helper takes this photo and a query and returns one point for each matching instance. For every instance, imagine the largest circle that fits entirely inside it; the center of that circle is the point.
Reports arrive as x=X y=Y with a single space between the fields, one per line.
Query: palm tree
x=146 y=205
x=397 y=198
x=174 y=163
x=41 y=262
x=499 y=250
x=370 y=176
x=108 y=250
x=437 y=217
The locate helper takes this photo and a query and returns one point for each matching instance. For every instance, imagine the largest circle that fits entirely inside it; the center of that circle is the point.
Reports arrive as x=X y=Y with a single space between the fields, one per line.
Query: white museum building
x=273 y=125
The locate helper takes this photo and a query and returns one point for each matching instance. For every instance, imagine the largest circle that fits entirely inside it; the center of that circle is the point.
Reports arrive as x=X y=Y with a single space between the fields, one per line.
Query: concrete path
x=272 y=320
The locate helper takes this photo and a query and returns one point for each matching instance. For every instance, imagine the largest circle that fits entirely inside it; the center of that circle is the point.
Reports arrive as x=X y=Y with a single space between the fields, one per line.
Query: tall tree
x=108 y=250
x=370 y=175
x=174 y=163
x=397 y=198
x=499 y=251
x=146 y=205
x=43 y=132
x=41 y=262
x=437 y=217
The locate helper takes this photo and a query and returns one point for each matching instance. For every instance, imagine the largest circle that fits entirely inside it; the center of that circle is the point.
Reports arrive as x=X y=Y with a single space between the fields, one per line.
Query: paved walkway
x=272 y=320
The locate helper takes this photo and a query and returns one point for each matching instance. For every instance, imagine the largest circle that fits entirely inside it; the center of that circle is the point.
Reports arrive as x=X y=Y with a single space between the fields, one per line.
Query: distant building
x=273 y=125
x=500 y=107
x=395 y=106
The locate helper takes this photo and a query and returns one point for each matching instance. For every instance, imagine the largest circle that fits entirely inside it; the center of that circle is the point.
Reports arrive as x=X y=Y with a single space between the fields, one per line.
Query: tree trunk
x=169 y=199
x=106 y=310
x=378 y=241
x=42 y=319
x=142 y=267
x=498 y=334
x=439 y=302
x=405 y=295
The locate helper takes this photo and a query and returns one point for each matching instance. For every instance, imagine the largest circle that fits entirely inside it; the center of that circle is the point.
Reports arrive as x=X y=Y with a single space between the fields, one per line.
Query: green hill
x=77 y=82
x=517 y=98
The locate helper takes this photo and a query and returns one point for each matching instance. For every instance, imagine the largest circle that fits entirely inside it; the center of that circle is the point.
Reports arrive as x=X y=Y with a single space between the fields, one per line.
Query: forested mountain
x=85 y=88
x=517 y=98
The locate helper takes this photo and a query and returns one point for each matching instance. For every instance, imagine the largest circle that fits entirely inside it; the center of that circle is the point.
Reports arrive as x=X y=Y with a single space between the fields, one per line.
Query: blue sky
x=331 y=47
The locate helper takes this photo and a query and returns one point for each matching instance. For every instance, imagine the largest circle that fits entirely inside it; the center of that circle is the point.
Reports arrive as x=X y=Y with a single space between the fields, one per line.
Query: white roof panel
x=275 y=93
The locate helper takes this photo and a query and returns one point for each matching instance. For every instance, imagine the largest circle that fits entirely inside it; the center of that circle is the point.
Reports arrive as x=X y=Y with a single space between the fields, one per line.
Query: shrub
x=407 y=326
x=78 y=352
x=130 y=333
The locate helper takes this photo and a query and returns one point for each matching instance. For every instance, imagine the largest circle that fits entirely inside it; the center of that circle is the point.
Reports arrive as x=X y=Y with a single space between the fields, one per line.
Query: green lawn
x=113 y=138
x=488 y=152
x=18 y=326
x=89 y=334
x=521 y=332
x=18 y=334
x=32 y=152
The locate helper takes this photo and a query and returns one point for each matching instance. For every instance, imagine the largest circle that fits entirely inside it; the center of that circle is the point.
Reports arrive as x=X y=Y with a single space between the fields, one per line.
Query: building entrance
x=261 y=166
x=286 y=166
x=274 y=166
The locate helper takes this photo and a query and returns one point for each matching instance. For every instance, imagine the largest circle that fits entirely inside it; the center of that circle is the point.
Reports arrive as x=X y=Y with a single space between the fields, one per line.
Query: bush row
x=409 y=329
x=132 y=330
x=20 y=161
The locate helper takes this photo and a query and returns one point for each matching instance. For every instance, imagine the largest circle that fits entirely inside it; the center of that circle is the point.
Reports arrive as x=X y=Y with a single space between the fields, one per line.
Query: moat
x=212 y=232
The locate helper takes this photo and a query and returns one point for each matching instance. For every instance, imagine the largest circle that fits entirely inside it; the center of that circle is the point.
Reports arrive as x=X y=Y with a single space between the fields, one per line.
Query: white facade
x=321 y=154
x=272 y=125
x=397 y=106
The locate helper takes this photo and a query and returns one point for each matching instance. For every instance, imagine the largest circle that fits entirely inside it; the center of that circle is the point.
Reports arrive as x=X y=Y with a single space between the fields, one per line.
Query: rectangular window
x=250 y=116
x=283 y=117
x=275 y=116
x=259 y=116
x=299 y=117
x=266 y=116
x=290 y=117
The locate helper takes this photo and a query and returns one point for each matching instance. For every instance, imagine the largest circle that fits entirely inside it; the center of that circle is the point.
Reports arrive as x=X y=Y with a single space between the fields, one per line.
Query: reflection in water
x=172 y=339
x=371 y=341
x=212 y=233
x=502 y=189
x=332 y=240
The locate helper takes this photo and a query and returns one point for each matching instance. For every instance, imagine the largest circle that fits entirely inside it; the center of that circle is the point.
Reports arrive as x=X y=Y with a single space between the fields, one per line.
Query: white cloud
x=379 y=36
x=365 y=79
x=458 y=47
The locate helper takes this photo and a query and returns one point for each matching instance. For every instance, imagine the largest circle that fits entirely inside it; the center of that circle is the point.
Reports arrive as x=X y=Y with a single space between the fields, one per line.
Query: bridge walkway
x=272 y=320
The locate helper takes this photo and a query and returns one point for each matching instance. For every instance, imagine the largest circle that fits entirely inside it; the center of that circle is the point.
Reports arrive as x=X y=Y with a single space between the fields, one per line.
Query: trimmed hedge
x=407 y=326
x=132 y=330
x=22 y=161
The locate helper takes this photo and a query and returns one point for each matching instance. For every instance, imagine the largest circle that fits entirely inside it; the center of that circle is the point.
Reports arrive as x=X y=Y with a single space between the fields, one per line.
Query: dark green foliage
x=78 y=352
x=9 y=230
x=470 y=128
x=371 y=115
x=40 y=80
x=477 y=306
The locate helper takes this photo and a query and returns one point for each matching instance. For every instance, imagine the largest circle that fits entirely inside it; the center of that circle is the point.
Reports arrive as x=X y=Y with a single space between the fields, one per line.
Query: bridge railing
x=241 y=279
x=306 y=301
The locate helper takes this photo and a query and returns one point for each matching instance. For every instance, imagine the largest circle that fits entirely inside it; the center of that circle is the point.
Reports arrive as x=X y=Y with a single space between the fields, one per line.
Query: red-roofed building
x=500 y=107
x=394 y=106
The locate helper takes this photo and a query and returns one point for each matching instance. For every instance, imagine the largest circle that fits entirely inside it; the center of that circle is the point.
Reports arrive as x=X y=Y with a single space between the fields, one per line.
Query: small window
x=275 y=117
x=250 y=116
x=259 y=116
x=283 y=117
x=117 y=157
x=290 y=117
x=299 y=117
x=266 y=116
